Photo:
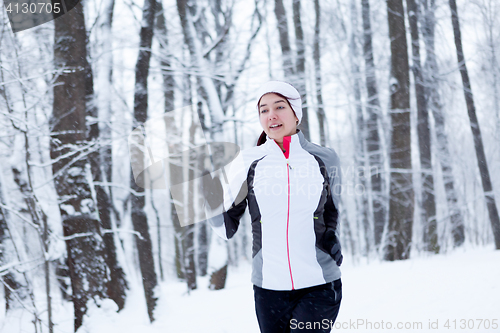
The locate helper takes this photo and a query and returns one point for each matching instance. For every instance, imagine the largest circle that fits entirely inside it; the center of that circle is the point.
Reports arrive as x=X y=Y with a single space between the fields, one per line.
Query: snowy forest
x=407 y=92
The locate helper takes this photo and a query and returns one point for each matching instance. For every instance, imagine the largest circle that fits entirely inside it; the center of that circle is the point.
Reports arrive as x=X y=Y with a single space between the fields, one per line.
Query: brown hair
x=263 y=136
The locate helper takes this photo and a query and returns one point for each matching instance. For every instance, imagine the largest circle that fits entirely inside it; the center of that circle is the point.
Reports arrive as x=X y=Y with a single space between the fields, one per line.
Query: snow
x=426 y=290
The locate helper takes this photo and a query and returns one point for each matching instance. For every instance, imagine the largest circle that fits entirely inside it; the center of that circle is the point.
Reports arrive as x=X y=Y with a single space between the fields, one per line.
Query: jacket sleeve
x=226 y=221
x=333 y=199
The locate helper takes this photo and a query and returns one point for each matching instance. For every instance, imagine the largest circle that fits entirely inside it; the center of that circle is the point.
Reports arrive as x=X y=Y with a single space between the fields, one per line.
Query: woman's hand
x=212 y=191
x=332 y=244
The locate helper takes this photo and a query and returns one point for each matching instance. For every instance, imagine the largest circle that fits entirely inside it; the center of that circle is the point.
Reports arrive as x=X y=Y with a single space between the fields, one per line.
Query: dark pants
x=311 y=309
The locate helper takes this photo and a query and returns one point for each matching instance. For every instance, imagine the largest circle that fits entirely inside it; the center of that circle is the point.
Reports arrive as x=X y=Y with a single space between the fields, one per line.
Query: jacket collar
x=296 y=141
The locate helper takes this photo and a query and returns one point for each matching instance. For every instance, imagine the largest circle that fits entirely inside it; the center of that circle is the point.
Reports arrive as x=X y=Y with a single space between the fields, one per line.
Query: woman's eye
x=262 y=111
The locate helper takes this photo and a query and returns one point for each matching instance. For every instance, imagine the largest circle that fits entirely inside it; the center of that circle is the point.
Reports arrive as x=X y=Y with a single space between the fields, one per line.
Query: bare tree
x=162 y=35
x=84 y=244
x=8 y=280
x=360 y=154
x=286 y=51
x=372 y=128
x=117 y=283
x=139 y=217
x=490 y=11
x=401 y=204
x=476 y=131
x=433 y=100
x=428 y=214
x=317 y=71
x=194 y=36
x=300 y=74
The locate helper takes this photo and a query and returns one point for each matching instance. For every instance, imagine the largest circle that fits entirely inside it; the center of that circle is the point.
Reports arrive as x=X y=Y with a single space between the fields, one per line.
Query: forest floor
x=455 y=292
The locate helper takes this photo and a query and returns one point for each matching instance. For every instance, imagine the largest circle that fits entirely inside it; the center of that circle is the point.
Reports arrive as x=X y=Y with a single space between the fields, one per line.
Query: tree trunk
x=188 y=232
x=117 y=283
x=169 y=97
x=360 y=157
x=300 y=76
x=202 y=226
x=434 y=103
x=104 y=94
x=286 y=53
x=84 y=244
x=428 y=215
x=401 y=204
x=105 y=100
x=139 y=217
x=208 y=92
x=372 y=129
x=476 y=131
x=7 y=278
x=40 y=219
x=317 y=71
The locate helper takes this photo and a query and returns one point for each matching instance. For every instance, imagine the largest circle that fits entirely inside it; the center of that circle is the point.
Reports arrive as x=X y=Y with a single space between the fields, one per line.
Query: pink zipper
x=286 y=146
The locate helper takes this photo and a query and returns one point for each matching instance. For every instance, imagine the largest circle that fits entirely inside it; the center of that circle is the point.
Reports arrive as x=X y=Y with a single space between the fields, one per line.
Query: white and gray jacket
x=292 y=198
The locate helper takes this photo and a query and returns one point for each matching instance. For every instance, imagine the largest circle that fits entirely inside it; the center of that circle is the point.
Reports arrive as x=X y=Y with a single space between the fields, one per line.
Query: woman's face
x=277 y=117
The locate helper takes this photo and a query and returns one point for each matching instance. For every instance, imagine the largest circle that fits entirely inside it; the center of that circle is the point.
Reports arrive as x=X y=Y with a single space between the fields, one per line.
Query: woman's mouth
x=275 y=126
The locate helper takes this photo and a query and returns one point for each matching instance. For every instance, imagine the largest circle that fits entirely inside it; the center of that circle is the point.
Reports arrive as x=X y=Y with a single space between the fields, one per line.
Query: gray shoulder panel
x=332 y=163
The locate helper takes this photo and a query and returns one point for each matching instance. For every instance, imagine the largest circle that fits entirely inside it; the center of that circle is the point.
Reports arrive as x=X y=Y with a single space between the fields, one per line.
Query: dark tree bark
x=84 y=244
x=434 y=104
x=139 y=217
x=401 y=204
x=317 y=70
x=372 y=129
x=300 y=75
x=476 y=131
x=428 y=215
x=279 y=11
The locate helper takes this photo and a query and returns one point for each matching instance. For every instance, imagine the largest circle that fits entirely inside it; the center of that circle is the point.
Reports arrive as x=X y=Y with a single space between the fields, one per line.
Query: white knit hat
x=285 y=89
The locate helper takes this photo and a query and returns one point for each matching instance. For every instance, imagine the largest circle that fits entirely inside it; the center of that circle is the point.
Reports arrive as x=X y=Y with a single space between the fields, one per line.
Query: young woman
x=291 y=187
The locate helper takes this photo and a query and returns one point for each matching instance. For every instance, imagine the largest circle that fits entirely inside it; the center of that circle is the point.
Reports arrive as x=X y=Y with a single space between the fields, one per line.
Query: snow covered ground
x=454 y=292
